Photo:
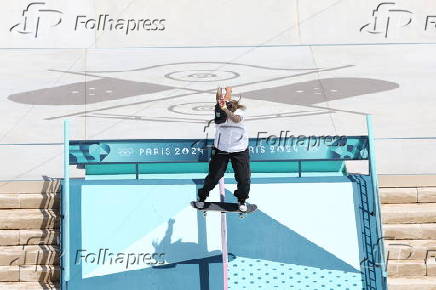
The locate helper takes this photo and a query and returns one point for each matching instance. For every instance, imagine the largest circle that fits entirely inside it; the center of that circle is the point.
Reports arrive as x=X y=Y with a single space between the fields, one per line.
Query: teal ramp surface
x=131 y=234
x=143 y=234
x=304 y=235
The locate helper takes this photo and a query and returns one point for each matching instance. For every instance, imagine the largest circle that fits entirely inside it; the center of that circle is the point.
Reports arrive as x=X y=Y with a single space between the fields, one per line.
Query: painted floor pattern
x=245 y=273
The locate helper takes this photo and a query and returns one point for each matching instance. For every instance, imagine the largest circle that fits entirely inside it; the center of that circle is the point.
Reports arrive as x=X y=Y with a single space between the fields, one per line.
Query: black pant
x=217 y=167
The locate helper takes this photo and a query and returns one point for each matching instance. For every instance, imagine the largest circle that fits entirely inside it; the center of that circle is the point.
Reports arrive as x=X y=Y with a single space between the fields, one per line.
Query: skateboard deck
x=224 y=207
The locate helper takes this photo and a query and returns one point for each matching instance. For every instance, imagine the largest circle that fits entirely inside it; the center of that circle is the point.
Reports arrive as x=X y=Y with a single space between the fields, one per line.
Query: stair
x=409 y=227
x=29 y=235
x=417 y=283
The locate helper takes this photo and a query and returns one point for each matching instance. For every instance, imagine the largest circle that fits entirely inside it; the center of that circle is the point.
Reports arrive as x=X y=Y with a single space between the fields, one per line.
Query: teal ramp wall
x=145 y=216
x=306 y=234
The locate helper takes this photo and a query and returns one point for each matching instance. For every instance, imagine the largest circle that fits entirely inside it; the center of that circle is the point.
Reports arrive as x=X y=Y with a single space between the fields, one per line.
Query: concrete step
x=12 y=219
x=31 y=200
x=398 y=195
x=427 y=194
x=9 y=273
x=409 y=213
x=404 y=268
x=412 y=283
x=27 y=273
x=28 y=255
x=28 y=286
x=39 y=273
x=421 y=180
x=409 y=231
x=28 y=237
x=407 y=194
x=409 y=249
x=43 y=186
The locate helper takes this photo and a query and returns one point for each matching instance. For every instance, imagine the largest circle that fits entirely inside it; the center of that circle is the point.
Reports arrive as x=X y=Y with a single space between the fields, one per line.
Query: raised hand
x=228 y=95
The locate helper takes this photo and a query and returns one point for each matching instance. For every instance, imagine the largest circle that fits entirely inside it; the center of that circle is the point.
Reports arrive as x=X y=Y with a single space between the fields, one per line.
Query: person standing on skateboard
x=231 y=142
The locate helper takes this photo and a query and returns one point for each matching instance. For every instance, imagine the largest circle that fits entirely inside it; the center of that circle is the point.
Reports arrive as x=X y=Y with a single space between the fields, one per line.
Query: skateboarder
x=231 y=142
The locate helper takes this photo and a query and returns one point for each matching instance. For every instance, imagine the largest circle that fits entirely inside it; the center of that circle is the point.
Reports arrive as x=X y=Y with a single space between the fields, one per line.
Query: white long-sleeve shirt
x=231 y=136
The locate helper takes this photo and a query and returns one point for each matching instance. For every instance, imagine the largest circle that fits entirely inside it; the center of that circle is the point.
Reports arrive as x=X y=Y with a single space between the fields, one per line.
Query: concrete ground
x=169 y=93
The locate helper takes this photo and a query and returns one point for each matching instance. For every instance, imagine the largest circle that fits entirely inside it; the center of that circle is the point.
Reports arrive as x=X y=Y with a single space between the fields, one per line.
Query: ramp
x=129 y=223
x=304 y=236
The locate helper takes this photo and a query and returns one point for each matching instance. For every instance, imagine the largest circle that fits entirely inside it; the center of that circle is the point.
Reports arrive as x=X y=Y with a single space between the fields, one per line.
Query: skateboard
x=227 y=207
